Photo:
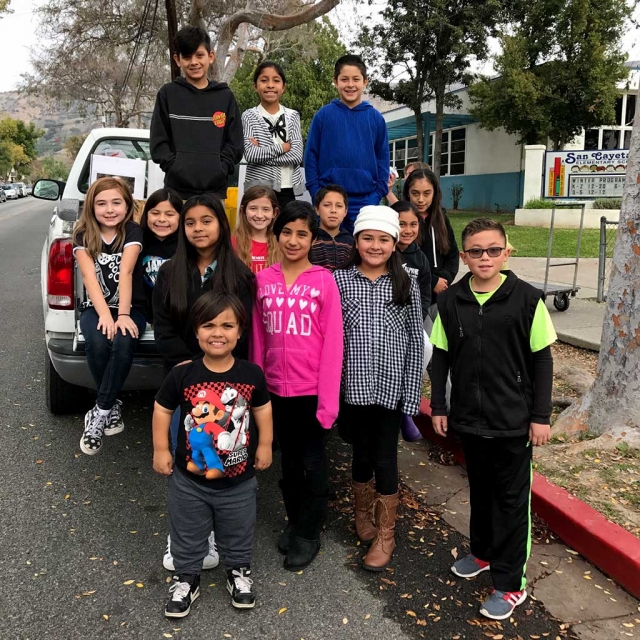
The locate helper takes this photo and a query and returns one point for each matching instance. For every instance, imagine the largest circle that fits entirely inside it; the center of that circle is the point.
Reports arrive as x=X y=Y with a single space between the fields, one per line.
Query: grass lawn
x=532 y=242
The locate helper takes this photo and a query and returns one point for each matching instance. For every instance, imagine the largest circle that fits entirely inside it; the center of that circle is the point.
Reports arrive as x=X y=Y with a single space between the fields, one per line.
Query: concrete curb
x=577 y=341
x=605 y=544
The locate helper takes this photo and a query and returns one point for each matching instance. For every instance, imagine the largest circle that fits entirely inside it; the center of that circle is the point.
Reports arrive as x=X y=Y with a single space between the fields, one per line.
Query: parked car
x=29 y=189
x=20 y=188
x=10 y=191
x=3 y=196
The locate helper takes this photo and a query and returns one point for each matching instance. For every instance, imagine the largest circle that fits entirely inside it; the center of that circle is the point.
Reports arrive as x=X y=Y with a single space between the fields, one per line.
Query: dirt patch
x=607 y=479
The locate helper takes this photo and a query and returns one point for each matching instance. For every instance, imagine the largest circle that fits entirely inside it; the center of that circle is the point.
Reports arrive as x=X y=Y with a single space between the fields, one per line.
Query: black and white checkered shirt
x=383 y=343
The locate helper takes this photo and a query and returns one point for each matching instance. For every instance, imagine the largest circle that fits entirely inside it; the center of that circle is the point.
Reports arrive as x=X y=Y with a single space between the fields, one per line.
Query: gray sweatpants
x=195 y=510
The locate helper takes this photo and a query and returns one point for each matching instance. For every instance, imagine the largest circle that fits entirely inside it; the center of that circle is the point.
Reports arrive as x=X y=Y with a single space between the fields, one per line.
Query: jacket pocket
x=395 y=318
x=274 y=366
x=353 y=181
x=350 y=314
x=301 y=368
x=197 y=172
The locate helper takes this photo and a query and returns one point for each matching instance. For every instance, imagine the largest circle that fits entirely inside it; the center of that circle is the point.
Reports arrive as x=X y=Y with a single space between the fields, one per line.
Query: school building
x=490 y=164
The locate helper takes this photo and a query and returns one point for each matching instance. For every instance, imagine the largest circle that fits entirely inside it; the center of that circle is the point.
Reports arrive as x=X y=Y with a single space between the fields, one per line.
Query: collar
x=464 y=291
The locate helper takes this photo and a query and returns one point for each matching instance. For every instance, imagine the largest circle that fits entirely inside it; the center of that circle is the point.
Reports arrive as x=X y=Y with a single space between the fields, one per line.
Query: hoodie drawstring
x=433 y=242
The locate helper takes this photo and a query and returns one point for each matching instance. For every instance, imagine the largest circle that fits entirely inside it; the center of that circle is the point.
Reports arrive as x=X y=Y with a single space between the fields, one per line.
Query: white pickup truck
x=67 y=373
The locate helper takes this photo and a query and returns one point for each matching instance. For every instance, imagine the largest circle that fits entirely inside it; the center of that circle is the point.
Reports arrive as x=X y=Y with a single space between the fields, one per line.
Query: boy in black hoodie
x=493 y=332
x=196 y=130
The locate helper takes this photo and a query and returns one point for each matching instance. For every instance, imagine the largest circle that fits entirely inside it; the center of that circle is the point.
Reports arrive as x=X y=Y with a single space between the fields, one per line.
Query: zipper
x=519 y=381
x=480 y=368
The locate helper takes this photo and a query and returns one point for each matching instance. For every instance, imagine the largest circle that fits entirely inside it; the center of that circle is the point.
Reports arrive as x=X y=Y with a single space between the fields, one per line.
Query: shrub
x=456 y=194
x=539 y=203
x=607 y=203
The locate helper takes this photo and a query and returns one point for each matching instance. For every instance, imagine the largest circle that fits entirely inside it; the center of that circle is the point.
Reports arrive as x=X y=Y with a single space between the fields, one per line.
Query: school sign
x=585 y=174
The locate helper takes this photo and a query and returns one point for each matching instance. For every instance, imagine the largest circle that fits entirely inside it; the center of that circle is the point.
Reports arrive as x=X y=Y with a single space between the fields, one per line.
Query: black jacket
x=493 y=374
x=177 y=341
x=154 y=254
x=442 y=265
x=329 y=252
x=196 y=137
x=417 y=266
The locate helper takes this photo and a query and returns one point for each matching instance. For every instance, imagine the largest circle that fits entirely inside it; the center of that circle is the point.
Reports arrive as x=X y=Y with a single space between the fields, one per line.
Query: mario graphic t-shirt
x=217 y=438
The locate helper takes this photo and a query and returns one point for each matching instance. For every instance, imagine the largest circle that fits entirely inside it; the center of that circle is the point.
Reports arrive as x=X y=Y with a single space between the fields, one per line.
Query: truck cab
x=67 y=373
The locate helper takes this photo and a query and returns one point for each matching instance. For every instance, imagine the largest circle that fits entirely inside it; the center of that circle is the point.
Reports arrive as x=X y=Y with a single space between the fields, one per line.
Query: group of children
x=307 y=317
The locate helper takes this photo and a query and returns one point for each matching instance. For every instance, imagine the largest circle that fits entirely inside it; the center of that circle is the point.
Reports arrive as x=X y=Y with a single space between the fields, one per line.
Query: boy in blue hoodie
x=348 y=144
x=196 y=130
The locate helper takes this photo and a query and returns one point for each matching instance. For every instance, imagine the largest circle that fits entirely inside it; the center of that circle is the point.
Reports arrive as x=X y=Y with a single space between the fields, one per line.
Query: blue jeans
x=109 y=360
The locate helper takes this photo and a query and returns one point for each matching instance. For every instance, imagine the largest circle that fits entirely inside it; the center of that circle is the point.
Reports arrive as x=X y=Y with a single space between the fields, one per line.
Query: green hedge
x=607 y=203
x=539 y=203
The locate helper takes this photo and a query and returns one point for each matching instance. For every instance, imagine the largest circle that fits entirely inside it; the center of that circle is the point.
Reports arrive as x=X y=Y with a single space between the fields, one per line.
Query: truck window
x=123 y=148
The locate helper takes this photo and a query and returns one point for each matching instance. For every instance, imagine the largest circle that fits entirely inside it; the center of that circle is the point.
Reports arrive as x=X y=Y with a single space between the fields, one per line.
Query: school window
x=403 y=151
x=618 y=134
x=452 y=151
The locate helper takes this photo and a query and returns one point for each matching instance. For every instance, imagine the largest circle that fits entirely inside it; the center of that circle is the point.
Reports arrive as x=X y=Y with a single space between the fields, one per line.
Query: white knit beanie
x=378 y=218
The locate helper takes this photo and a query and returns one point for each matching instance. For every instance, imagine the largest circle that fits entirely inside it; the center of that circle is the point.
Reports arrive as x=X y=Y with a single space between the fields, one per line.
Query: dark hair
x=400 y=279
x=212 y=303
x=482 y=224
x=401 y=207
x=161 y=195
x=416 y=166
x=230 y=274
x=268 y=64
x=297 y=210
x=331 y=188
x=350 y=60
x=188 y=39
x=435 y=217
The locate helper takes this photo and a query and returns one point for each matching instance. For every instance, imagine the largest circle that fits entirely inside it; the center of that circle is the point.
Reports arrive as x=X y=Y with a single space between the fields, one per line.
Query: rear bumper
x=147 y=371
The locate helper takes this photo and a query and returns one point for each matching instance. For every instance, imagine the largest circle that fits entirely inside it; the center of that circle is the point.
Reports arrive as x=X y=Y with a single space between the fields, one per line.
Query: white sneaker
x=211 y=560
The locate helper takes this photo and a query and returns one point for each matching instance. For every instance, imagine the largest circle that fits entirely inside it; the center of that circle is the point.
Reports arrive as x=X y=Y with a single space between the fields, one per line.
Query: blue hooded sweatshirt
x=349 y=147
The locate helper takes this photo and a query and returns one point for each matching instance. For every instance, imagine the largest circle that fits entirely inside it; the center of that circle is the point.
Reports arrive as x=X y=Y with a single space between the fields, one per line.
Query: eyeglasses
x=492 y=252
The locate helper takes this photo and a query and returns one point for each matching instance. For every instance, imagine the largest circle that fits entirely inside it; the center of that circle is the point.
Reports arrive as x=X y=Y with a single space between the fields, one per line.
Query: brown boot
x=364 y=496
x=379 y=556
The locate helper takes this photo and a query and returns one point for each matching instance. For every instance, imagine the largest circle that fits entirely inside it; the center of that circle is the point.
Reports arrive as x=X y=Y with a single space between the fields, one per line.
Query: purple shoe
x=410 y=432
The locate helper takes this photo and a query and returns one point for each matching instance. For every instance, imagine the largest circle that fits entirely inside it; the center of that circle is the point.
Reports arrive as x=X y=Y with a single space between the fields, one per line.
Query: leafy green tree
x=558 y=71
x=73 y=144
x=307 y=56
x=421 y=47
x=4 y=7
x=54 y=169
x=18 y=145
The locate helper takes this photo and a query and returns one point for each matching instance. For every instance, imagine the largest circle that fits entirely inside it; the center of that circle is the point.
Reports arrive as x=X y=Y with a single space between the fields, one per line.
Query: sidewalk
x=570 y=588
x=581 y=324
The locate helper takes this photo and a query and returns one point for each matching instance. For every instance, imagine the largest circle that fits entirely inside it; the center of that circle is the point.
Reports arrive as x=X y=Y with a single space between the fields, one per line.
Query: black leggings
x=375 y=433
x=305 y=475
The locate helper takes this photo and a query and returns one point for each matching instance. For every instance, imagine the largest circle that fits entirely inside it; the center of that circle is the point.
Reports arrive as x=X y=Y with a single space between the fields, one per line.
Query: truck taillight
x=60 y=275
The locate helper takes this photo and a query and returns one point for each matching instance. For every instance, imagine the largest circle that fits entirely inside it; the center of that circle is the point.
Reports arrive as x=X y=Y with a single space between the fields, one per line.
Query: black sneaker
x=94 y=425
x=184 y=590
x=239 y=585
x=115 y=424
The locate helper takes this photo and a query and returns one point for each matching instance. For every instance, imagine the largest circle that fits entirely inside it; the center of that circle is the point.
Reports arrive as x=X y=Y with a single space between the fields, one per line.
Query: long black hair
x=400 y=280
x=435 y=217
x=231 y=275
x=268 y=64
x=401 y=206
x=161 y=195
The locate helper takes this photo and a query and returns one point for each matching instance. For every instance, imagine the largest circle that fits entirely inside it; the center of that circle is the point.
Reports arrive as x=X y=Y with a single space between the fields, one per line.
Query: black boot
x=292 y=498
x=284 y=541
x=301 y=553
x=305 y=542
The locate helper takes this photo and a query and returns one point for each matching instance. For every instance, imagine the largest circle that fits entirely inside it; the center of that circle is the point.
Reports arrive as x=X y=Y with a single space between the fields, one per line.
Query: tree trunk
x=172 y=29
x=612 y=404
x=417 y=114
x=437 y=144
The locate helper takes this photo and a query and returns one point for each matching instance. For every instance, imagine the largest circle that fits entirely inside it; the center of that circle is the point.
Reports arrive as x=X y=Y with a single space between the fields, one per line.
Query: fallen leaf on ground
x=282 y=610
x=454 y=553
x=128 y=582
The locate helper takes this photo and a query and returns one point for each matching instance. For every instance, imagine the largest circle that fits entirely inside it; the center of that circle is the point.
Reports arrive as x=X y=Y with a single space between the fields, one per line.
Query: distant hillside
x=59 y=122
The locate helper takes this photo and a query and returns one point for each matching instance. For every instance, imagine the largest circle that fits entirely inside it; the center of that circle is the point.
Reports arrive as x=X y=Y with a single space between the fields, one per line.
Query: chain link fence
x=608 y=233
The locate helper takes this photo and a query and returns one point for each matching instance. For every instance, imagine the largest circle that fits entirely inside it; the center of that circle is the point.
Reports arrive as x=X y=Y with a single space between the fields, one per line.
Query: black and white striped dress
x=264 y=162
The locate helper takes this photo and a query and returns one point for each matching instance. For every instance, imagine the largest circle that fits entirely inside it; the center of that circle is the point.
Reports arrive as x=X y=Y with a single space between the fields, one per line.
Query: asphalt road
x=75 y=528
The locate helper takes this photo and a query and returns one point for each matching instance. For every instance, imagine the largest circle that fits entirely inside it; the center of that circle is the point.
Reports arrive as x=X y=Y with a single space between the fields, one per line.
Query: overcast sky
x=18 y=38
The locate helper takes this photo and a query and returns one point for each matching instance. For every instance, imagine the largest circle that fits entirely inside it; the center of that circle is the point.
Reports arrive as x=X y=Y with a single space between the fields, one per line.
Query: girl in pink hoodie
x=297 y=340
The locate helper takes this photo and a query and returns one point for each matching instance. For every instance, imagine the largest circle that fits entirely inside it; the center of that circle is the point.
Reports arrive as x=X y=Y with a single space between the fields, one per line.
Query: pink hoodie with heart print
x=297 y=337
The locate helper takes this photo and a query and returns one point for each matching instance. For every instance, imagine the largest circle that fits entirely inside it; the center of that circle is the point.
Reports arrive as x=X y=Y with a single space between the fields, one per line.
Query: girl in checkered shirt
x=382 y=372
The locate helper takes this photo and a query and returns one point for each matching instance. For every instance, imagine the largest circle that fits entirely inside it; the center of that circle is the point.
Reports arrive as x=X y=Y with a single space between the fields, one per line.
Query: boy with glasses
x=493 y=333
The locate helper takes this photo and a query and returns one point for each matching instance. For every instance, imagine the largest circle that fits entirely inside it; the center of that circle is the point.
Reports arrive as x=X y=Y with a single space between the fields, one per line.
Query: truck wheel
x=61 y=396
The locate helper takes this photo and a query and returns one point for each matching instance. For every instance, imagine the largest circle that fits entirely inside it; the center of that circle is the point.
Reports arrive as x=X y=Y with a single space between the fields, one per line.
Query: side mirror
x=46 y=189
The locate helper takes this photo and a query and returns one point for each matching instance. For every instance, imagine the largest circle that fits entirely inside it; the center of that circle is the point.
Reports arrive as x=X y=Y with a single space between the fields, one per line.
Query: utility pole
x=172 y=29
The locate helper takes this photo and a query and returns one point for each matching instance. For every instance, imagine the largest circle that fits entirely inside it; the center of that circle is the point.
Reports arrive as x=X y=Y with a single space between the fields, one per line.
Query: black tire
x=62 y=398
x=561 y=301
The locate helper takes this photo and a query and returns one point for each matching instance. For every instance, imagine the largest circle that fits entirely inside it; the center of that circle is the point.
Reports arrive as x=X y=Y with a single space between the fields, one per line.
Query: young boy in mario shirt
x=225 y=434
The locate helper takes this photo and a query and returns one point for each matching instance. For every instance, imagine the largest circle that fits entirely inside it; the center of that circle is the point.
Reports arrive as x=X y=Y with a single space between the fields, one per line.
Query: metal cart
x=562 y=292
